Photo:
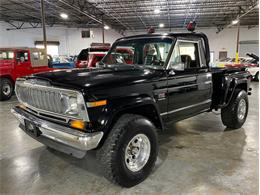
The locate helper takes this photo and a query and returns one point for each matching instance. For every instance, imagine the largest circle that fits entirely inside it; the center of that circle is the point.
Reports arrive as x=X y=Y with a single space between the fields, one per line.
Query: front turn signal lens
x=97 y=103
x=78 y=124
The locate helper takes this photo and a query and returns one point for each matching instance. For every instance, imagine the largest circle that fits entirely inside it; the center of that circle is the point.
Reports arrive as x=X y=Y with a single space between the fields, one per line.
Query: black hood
x=99 y=77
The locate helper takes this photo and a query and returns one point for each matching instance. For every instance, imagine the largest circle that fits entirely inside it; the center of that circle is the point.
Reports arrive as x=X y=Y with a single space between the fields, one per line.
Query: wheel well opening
x=148 y=111
x=7 y=77
x=242 y=86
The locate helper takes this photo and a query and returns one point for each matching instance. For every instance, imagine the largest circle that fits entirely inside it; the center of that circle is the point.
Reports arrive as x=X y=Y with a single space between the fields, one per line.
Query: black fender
x=141 y=105
x=231 y=85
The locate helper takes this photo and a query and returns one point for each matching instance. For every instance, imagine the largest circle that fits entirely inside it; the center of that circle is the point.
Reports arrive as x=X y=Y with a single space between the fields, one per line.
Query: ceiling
x=131 y=15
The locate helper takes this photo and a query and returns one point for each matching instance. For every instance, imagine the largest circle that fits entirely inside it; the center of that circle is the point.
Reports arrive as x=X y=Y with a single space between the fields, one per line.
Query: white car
x=254 y=71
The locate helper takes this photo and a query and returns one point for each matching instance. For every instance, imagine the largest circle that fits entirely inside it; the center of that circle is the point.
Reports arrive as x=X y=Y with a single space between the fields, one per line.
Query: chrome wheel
x=137 y=152
x=6 y=89
x=241 y=112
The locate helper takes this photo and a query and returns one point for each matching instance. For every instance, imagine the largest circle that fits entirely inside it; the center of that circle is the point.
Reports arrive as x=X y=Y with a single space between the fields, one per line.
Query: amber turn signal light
x=78 y=124
x=97 y=103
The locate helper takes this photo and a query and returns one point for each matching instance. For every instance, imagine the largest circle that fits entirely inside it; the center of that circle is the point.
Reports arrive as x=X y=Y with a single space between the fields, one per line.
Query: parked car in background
x=63 y=61
x=251 y=63
x=127 y=54
x=254 y=70
x=94 y=58
x=17 y=62
x=83 y=59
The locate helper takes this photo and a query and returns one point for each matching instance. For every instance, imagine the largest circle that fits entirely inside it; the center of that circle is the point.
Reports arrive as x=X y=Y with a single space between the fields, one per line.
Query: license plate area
x=32 y=128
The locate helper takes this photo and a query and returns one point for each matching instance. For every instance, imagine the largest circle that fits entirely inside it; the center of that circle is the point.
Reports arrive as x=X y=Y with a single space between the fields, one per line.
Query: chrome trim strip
x=60 y=133
x=184 y=108
x=208 y=82
x=170 y=89
x=39 y=114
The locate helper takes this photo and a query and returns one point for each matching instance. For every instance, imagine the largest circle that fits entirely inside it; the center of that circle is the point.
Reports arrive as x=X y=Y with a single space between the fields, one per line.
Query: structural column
x=43 y=26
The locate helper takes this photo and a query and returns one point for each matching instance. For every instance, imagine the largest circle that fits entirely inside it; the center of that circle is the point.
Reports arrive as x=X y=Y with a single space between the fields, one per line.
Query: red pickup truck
x=87 y=57
x=17 y=62
x=90 y=56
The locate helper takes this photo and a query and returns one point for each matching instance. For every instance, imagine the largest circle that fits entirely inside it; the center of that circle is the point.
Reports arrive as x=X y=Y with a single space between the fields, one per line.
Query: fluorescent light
x=157 y=11
x=64 y=16
x=106 y=27
x=235 y=21
x=161 y=25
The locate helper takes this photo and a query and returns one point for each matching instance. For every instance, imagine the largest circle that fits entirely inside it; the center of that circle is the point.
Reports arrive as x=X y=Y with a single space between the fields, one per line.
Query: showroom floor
x=196 y=157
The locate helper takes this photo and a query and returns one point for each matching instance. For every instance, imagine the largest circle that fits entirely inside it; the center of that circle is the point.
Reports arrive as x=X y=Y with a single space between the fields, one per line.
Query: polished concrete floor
x=197 y=156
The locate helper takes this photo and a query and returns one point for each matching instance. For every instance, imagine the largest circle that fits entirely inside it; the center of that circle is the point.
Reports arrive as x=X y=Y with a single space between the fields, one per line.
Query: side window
x=10 y=55
x=41 y=55
x=3 y=55
x=35 y=55
x=22 y=56
x=189 y=52
x=175 y=61
x=186 y=55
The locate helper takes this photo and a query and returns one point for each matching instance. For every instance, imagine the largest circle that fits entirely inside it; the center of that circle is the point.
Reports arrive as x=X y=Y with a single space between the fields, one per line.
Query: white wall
x=226 y=39
x=71 y=42
x=70 y=39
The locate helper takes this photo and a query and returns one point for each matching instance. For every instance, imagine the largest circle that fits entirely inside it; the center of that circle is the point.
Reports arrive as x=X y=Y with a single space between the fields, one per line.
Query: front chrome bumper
x=58 y=133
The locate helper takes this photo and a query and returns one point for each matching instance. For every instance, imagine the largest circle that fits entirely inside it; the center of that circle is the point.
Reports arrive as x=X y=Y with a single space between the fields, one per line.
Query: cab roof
x=171 y=34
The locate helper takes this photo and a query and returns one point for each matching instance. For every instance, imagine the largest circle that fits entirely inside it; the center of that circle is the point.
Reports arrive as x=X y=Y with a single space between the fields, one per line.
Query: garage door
x=249 y=47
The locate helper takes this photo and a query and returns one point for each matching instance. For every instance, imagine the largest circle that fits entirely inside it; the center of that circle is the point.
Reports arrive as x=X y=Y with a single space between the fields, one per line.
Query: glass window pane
x=10 y=55
x=3 y=55
x=146 y=52
x=35 y=55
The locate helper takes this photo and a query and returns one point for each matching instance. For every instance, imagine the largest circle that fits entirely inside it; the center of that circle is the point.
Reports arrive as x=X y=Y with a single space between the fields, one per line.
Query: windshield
x=146 y=52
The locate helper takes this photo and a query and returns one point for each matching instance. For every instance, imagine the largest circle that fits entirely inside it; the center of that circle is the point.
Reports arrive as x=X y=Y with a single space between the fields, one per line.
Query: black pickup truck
x=118 y=108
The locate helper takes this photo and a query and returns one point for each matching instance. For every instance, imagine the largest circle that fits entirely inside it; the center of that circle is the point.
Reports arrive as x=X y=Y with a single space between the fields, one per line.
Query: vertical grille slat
x=41 y=99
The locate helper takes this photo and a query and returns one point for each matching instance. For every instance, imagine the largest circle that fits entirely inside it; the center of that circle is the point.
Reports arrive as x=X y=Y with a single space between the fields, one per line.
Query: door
x=189 y=83
x=6 y=62
x=23 y=63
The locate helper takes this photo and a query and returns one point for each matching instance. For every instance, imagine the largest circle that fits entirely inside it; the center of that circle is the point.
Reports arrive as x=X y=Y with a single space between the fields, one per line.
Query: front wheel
x=7 y=88
x=130 y=150
x=234 y=115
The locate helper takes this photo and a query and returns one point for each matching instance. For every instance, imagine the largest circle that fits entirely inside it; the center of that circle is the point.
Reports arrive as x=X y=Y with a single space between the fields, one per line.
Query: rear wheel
x=234 y=115
x=130 y=150
x=7 y=88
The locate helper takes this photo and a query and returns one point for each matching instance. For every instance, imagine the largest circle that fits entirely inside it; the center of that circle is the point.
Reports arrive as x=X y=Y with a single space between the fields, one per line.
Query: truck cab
x=18 y=62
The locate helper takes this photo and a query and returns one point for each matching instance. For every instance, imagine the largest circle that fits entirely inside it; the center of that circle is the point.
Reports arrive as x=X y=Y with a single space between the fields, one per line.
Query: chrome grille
x=40 y=98
x=43 y=99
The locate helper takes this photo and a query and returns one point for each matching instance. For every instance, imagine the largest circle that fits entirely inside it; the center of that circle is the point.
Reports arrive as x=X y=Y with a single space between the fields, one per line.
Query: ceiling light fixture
x=161 y=25
x=235 y=21
x=157 y=11
x=106 y=27
x=64 y=16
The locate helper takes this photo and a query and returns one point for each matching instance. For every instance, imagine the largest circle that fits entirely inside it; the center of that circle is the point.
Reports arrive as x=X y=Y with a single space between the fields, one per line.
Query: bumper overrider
x=57 y=136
